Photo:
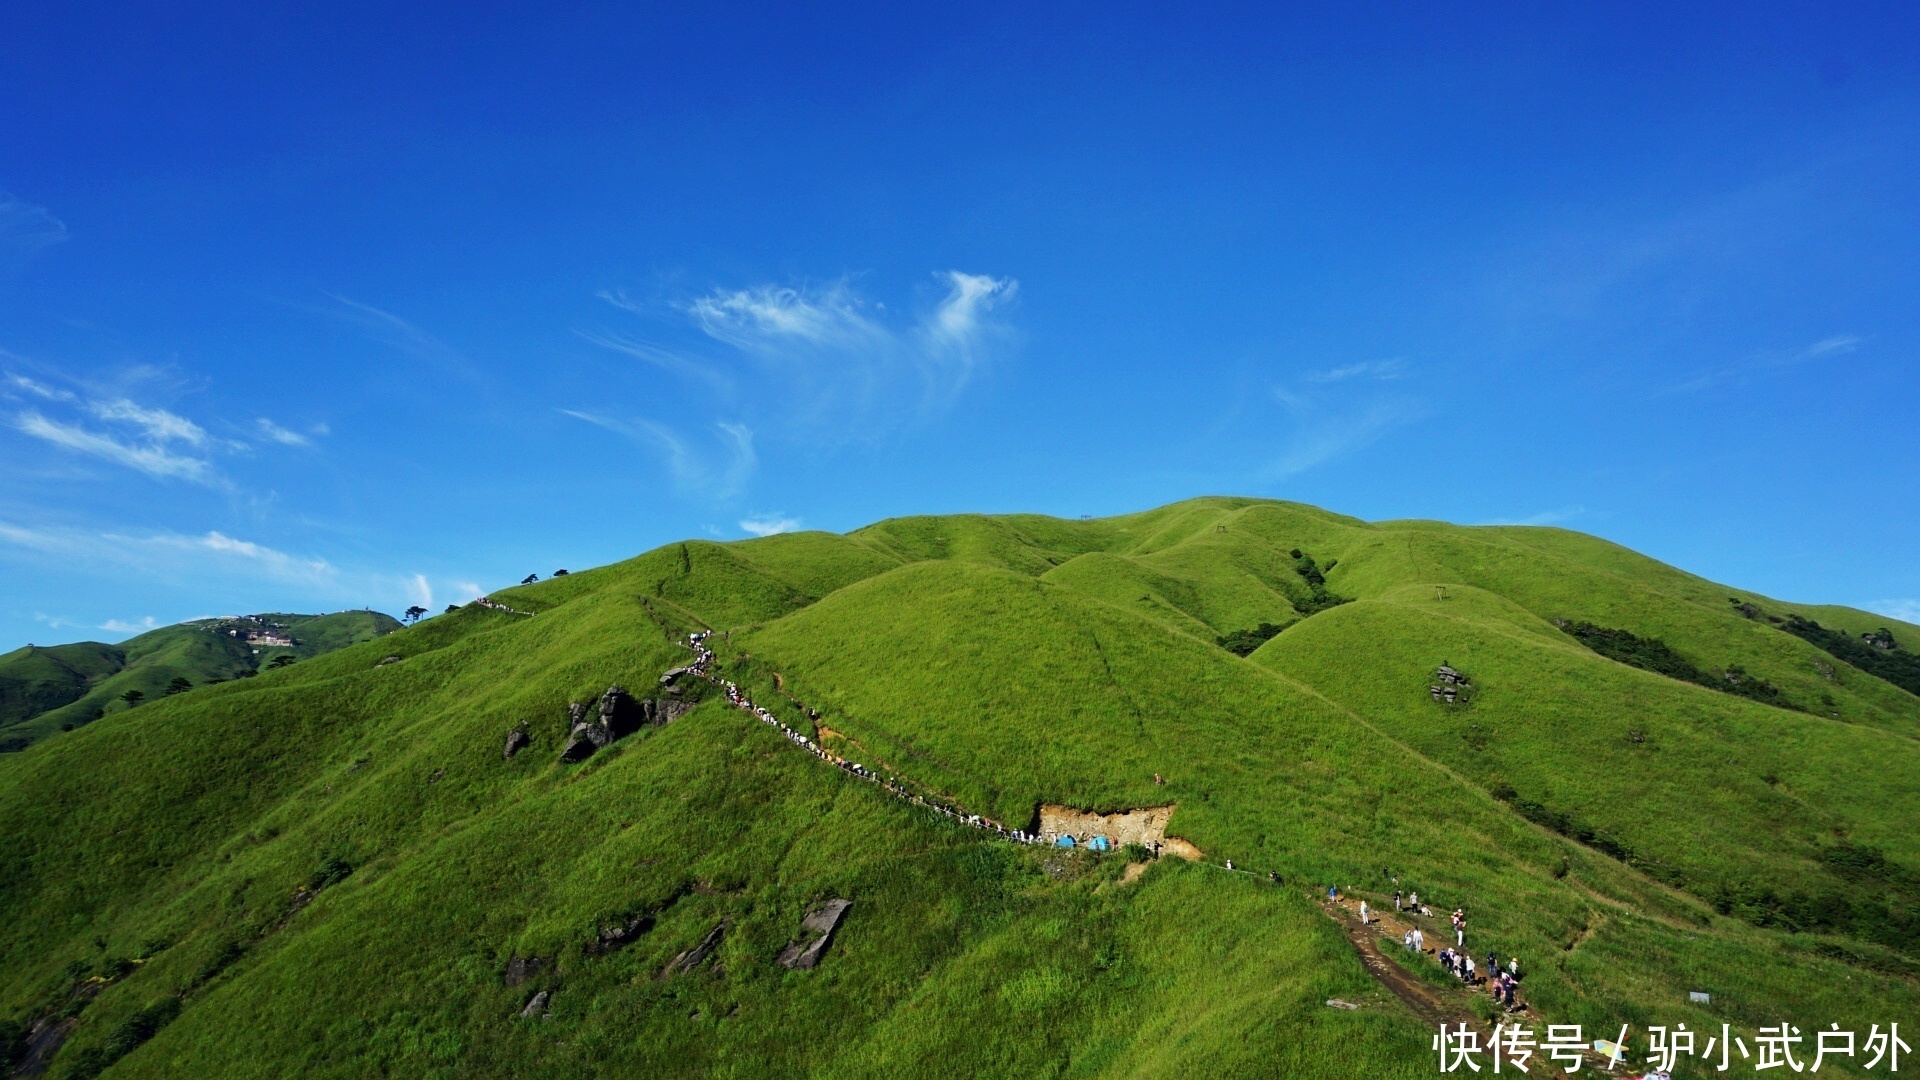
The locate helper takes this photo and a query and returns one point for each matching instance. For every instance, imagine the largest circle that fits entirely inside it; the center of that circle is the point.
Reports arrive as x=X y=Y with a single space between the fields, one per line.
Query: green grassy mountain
x=339 y=869
x=45 y=689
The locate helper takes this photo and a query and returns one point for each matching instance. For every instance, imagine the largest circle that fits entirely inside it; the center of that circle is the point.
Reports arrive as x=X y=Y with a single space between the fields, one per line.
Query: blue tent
x=1100 y=843
x=1065 y=841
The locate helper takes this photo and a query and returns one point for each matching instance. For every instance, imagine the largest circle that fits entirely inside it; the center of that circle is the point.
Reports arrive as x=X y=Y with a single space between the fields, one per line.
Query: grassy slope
x=954 y=649
x=88 y=677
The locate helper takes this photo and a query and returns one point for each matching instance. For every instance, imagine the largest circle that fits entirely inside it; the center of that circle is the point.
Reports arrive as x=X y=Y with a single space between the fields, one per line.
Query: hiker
x=1467 y=960
x=1415 y=900
x=1229 y=864
x=1333 y=893
x=1396 y=899
x=1363 y=913
x=1513 y=967
x=1273 y=876
x=1419 y=940
x=1406 y=940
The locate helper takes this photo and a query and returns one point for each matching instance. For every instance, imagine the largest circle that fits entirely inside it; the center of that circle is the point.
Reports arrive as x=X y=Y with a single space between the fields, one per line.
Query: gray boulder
x=522 y=968
x=692 y=958
x=537 y=1006
x=817 y=928
x=516 y=741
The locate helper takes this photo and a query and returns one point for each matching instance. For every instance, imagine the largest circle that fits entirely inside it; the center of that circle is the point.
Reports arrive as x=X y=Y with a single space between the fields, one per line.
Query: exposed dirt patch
x=1429 y=1005
x=1146 y=826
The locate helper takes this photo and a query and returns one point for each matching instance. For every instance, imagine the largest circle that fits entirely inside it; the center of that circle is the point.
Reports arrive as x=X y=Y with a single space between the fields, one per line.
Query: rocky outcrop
x=618 y=936
x=522 y=968
x=43 y=1042
x=692 y=958
x=817 y=928
x=618 y=715
x=672 y=674
x=537 y=1006
x=516 y=741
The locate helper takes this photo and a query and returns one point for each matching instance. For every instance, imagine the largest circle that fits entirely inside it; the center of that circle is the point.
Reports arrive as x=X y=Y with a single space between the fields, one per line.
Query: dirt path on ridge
x=1431 y=1006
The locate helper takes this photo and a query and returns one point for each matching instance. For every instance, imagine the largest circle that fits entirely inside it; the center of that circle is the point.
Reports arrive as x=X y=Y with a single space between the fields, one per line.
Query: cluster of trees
x=1243 y=642
x=1892 y=663
x=1652 y=654
x=1319 y=598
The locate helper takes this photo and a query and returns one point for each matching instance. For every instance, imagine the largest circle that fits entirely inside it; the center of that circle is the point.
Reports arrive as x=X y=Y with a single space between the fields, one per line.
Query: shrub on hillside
x=1892 y=663
x=141 y=1026
x=1243 y=642
x=1652 y=654
x=1318 y=598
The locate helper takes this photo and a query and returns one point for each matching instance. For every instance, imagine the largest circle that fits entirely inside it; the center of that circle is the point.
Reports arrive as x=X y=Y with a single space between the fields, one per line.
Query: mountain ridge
x=335 y=867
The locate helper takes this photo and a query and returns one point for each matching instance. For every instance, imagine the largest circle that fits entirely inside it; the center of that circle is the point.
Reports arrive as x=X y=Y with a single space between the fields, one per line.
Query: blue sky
x=311 y=307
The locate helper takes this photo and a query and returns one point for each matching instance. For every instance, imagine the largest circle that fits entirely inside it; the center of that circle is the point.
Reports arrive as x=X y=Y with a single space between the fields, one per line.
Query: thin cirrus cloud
x=1544 y=517
x=213 y=558
x=1338 y=411
x=26 y=229
x=717 y=466
x=150 y=440
x=1774 y=360
x=211 y=552
x=153 y=457
x=273 y=432
x=1906 y=610
x=769 y=525
x=815 y=363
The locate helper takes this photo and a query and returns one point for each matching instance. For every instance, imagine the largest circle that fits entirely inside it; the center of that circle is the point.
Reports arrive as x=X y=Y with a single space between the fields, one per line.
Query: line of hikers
x=702 y=666
x=1457 y=961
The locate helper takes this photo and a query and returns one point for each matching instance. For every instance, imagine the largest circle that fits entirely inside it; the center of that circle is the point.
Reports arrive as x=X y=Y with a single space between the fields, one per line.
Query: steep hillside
x=48 y=689
x=356 y=866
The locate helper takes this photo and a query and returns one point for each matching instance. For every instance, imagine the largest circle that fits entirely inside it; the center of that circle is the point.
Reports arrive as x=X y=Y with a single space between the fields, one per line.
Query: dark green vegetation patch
x=1652 y=654
x=1876 y=653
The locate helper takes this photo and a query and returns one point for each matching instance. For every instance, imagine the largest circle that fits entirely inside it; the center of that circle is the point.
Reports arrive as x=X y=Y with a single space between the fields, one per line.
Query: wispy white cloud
x=420 y=590
x=1544 y=517
x=824 y=361
x=466 y=591
x=1375 y=370
x=153 y=459
x=159 y=425
x=962 y=323
x=25 y=229
x=1905 y=610
x=718 y=466
x=170 y=551
x=277 y=564
x=769 y=525
x=37 y=389
x=119 y=626
x=665 y=359
x=400 y=334
x=274 y=432
x=1774 y=360
x=1342 y=432
x=1336 y=411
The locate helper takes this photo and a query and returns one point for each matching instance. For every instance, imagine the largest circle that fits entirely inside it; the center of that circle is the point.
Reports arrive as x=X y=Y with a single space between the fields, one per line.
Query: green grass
x=47 y=689
x=327 y=868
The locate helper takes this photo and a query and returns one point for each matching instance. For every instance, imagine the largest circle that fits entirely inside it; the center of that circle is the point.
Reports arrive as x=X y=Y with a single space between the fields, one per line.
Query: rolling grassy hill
x=334 y=870
x=45 y=689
